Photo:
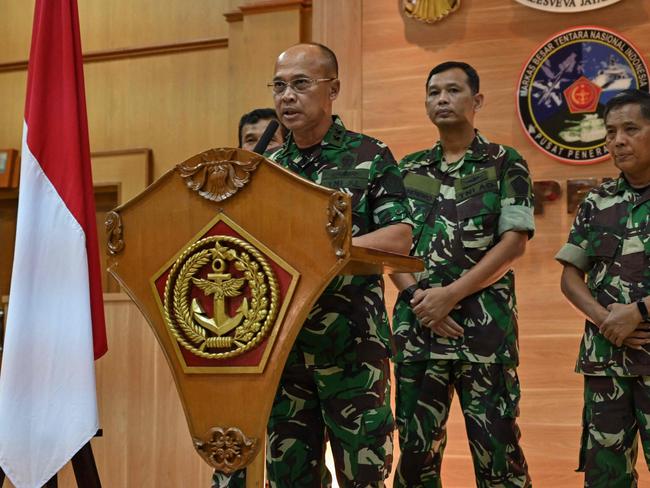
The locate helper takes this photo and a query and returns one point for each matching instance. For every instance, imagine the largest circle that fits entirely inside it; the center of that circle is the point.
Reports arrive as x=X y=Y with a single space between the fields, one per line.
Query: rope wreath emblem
x=221 y=335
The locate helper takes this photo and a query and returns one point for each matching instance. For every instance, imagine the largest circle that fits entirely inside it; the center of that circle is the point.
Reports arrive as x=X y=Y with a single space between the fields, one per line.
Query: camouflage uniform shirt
x=349 y=322
x=460 y=210
x=610 y=242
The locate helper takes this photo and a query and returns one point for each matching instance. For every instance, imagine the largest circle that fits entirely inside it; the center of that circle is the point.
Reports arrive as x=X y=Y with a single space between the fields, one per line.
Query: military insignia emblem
x=564 y=6
x=233 y=266
x=222 y=298
x=565 y=85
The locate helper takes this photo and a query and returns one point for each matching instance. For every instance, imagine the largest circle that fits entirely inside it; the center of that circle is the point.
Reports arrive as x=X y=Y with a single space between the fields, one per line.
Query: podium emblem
x=220 y=298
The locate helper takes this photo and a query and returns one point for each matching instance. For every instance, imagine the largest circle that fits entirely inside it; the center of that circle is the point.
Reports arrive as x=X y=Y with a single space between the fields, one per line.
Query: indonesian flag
x=48 y=407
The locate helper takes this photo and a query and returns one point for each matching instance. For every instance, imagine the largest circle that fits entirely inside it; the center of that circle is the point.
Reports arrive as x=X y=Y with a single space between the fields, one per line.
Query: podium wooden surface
x=299 y=226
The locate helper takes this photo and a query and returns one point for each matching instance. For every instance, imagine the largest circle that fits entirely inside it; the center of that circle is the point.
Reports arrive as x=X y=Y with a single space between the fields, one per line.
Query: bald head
x=305 y=86
x=317 y=54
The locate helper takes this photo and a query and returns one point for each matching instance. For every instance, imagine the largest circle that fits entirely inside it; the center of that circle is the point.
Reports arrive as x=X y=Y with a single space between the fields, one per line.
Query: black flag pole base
x=83 y=465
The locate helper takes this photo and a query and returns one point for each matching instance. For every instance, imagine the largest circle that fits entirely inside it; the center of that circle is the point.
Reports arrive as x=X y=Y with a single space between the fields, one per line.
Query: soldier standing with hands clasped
x=609 y=244
x=455 y=324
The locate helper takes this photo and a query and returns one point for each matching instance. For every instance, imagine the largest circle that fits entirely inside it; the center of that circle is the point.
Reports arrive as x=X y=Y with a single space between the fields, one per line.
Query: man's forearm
x=402 y=280
x=496 y=262
x=392 y=238
x=576 y=291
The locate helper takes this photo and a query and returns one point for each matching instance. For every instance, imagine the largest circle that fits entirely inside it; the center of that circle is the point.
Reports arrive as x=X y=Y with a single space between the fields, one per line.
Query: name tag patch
x=476 y=184
x=345 y=178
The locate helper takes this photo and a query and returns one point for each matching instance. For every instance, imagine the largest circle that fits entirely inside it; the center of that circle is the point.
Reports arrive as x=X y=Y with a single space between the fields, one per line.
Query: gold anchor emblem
x=221 y=335
x=221 y=285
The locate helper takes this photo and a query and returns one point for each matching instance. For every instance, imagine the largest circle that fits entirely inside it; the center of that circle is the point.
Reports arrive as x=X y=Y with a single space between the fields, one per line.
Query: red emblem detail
x=582 y=96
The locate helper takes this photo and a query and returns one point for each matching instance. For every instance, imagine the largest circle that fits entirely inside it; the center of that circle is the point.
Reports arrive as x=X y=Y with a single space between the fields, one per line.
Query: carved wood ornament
x=226 y=450
x=113 y=226
x=217 y=174
x=336 y=222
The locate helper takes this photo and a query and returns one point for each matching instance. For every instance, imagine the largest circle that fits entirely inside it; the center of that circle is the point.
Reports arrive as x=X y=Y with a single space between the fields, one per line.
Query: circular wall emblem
x=221 y=297
x=565 y=85
x=563 y=6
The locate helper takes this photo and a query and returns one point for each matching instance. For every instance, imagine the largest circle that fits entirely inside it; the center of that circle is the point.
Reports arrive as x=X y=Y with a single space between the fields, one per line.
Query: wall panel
x=120 y=23
x=174 y=104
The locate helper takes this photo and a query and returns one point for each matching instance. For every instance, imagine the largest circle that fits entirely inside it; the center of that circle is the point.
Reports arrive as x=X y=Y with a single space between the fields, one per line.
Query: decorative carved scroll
x=217 y=175
x=336 y=223
x=113 y=226
x=226 y=451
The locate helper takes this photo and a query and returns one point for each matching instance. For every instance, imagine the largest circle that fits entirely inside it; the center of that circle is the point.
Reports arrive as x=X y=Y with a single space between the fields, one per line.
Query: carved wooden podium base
x=225 y=256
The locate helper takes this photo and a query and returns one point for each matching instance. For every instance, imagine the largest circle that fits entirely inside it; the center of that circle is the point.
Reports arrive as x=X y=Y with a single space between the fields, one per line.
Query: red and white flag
x=55 y=323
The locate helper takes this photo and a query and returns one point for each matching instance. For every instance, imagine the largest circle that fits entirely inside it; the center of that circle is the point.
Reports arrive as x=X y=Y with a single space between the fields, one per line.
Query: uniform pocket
x=603 y=243
x=478 y=218
x=509 y=406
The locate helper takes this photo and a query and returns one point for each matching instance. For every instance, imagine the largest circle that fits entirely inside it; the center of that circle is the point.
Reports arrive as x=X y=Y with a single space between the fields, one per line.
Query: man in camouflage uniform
x=610 y=244
x=455 y=324
x=336 y=379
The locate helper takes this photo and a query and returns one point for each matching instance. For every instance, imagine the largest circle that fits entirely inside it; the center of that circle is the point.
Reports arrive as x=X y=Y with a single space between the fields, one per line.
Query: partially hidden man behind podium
x=253 y=124
x=336 y=378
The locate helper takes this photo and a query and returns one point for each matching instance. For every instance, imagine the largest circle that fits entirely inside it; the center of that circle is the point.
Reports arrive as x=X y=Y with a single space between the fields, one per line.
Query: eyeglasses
x=299 y=85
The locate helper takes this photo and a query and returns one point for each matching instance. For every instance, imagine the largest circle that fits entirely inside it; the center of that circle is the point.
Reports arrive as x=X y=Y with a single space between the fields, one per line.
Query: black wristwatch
x=408 y=292
x=643 y=310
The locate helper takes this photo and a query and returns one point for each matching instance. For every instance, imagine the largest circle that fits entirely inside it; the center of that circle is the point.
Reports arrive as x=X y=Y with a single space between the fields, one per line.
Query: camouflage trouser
x=615 y=410
x=489 y=397
x=352 y=404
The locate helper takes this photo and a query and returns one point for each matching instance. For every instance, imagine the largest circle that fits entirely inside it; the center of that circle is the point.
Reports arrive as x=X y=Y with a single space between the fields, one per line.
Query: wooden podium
x=225 y=255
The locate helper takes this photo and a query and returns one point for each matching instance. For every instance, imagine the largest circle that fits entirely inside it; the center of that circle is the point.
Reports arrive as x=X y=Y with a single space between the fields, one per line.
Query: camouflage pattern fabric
x=489 y=397
x=349 y=322
x=335 y=376
x=610 y=242
x=615 y=410
x=459 y=211
x=353 y=402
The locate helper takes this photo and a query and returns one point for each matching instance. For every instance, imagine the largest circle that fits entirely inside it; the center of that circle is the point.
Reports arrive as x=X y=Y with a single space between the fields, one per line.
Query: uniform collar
x=620 y=186
x=333 y=137
x=477 y=151
x=617 y=186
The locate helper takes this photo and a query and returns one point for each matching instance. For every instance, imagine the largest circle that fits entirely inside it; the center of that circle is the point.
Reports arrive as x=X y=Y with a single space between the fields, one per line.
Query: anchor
x=221 y=285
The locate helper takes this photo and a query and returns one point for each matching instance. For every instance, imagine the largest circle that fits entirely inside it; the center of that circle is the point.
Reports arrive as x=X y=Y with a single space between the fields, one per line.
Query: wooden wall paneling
x=338 y=25
x=173 y=104
x=255 y=41
x=117 y=177
x=130 y=169
x=498 y=38
x=12 y=108
x=120 y=24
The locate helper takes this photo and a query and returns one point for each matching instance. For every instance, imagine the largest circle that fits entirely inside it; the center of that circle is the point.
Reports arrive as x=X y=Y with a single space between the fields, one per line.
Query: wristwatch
x=643 y=310
x=408 y=292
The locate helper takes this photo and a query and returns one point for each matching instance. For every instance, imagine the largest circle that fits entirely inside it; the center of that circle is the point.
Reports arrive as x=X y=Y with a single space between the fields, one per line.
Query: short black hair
x=472 y=76
x=330 y=58
x=626 y=97
x=255 y=116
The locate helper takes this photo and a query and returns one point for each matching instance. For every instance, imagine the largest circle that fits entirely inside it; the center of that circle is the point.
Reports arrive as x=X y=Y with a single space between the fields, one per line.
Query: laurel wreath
x=259 y=317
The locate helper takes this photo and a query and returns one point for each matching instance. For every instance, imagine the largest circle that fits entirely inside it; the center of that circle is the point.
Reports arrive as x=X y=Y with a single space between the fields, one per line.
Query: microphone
x=264 y=141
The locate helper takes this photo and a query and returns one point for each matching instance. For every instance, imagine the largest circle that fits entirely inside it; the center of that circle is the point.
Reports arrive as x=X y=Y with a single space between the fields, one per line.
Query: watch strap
x=408 y=292
x=643 y=310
